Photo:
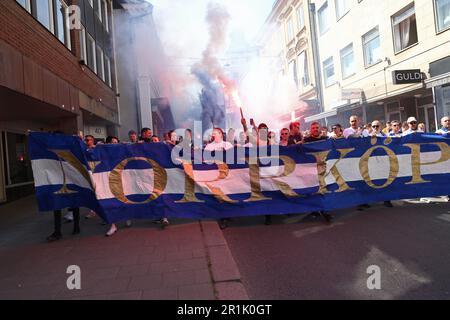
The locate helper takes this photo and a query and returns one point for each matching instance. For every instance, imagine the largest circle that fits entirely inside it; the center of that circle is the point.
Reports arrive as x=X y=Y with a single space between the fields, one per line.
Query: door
x=427 y=115
x=2 y=171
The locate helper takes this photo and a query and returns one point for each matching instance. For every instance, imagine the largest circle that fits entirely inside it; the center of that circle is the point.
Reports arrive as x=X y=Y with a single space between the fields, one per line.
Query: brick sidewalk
x=188 y=260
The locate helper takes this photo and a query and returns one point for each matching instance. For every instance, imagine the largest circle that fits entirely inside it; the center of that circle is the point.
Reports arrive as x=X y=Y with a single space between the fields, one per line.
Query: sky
x=183 y=31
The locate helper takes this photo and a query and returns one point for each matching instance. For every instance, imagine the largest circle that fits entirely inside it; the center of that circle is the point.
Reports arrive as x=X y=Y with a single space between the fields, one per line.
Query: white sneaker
x=68 y=217
x=111 y=230
x=128 y=223
x=164 y=222
x=90 y=215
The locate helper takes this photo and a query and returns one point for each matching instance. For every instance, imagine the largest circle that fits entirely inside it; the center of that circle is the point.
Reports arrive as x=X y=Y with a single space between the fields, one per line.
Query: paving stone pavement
x=189 y=260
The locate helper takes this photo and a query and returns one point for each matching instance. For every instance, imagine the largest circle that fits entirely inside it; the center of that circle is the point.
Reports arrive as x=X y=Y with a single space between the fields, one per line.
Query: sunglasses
x=284 y=134
x=375 y=126
x=413 y=122
x=395 y=125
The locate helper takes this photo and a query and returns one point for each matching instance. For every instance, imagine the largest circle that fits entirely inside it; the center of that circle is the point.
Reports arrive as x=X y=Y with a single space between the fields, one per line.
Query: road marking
x=308 y=231
x=445 y=217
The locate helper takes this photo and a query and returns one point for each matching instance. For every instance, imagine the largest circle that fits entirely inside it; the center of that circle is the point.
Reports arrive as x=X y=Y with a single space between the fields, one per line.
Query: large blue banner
x=133 y=181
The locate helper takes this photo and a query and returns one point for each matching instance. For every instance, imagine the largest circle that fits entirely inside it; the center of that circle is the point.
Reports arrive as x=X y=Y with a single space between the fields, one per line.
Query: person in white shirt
x=218 y=144
x=377 y=130
x=412 y=123
x=354 y=131
x=445 y=122
x=395 y=132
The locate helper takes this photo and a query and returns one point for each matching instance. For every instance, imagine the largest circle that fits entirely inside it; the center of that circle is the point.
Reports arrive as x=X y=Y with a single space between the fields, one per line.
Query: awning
x=322 y=115
x=438 y=80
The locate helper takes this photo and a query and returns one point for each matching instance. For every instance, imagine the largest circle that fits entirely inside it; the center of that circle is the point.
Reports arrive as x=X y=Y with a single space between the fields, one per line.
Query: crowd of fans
x=260 y=136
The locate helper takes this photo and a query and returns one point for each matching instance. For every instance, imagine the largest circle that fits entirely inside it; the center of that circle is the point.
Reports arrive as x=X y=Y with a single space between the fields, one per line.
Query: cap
x=411 y=119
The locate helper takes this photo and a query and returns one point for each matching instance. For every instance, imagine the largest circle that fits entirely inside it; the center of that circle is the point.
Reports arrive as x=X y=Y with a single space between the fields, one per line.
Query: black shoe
x=315 y=214
x=361 y=207
x=223 y=224
x=388 y=204
x=54 y=237
x=328 y=217
x=268 y=220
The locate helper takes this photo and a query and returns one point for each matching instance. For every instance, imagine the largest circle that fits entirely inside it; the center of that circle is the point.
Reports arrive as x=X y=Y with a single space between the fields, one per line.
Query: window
x=324 y=24
x=303 y=68
x=289 y=30
x=404 y=29
x=83 y=53
x=100 y=64
x=371 y=47
x=442 y=14
x=342 y=7
x=105 y=15
x=98 y=8
x=17 y=161
x=44 y=13
x=328 y=72
x=300 y=17
x=26 y=4
x=62 y=22
x=293 y=71
x=91 y=52
x=347 y=61
x=108 y=75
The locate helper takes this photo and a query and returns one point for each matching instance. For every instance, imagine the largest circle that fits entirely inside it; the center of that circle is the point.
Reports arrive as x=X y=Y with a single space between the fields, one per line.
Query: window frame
x=364 y=43
x=34 y=13
x=300 y=17
x=436 y=19
x=336 y=9
x=94 y=47
x=324 y=67
x=100 y=71
x=342 y=59
x=99 y=10
x=305 y=80
x=393 y=26
x=321 y=9
x=105 y=12
x=66 y=27
x=108 y=80
x=289 y=22
x=27 y=5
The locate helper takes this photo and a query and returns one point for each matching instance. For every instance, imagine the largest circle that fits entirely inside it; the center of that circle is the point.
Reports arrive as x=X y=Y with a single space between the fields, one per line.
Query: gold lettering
x=189 y=184
x=255 y=180
x=364 y=167
x=70 y=158
x=116 y=186
x=321 y=158
x=223 y=174
x=416 y=163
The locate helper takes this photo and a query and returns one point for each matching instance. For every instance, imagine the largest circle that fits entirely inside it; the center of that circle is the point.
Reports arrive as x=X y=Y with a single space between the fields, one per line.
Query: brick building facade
x=53 y=77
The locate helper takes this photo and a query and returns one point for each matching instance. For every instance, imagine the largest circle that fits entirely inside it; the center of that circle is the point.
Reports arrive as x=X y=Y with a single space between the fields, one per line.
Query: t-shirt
x=409 y=131
x=352 y=132
x=314 y=139
x=294 y=139
x=213 y=146
x=395 y=135
x=442 y=131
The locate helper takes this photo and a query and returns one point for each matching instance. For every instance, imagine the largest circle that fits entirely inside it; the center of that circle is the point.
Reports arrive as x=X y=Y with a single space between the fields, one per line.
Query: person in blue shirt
x=445 y=122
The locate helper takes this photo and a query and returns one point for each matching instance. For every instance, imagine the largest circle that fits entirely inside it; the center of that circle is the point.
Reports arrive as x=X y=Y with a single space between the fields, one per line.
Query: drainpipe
x=316 y=56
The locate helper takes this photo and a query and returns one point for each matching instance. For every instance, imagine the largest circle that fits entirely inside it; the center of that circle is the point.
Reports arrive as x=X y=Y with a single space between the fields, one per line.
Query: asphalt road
x=308 y=259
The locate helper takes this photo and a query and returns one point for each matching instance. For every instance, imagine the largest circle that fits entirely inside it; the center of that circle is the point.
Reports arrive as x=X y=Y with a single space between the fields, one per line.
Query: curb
x=224 y=271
